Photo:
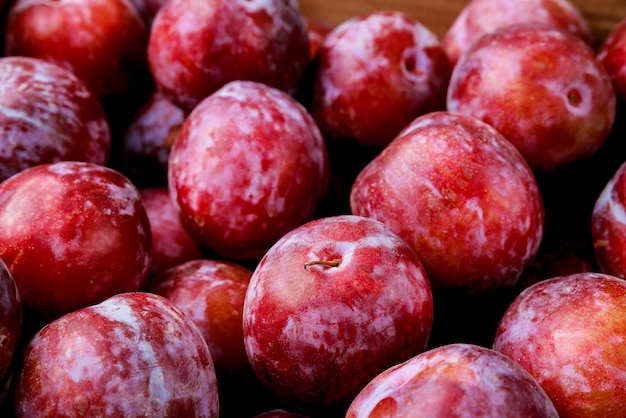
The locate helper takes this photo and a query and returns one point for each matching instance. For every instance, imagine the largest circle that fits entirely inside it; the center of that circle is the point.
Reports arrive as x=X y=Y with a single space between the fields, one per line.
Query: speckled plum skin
x=72 y=234
x=211 y=292
x=248 y=165
x=608 y=225
x=11 y=318
x=197 y=46
x=480 y=17
x=46 y=115
x=375 y=74
x=543 y=88
x=133 y=355
x=454 y=380
x=102 y=41
x=568 y=332
x=461 y=195
x=315 y=334
x=148 y=139
x=172 y=244
x=612 y=54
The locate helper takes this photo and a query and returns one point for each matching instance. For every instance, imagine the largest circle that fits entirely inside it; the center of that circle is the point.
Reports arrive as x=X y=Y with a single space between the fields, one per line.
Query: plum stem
x=326 y=263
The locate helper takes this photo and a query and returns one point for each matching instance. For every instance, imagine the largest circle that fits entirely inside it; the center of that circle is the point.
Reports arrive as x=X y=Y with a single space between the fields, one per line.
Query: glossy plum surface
x=248 y=165
x=73 y=234
x=568 y=332
x=132 y=355
x=541 y=87
x=461 y=195
x=333 y=303
x=454 y=380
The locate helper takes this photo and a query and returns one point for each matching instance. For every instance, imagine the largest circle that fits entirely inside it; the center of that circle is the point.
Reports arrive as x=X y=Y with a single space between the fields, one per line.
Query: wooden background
x=438 y=15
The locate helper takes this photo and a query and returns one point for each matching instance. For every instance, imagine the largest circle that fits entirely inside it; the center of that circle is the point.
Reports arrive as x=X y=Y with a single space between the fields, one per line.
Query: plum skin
x=73 y=234
x=134 y=354
x=461 y=195
x=331 y=304
x=457 y=379
x=568 y=333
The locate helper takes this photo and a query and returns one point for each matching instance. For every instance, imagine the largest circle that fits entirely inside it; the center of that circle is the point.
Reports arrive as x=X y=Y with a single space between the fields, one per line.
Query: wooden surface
x=438 y=15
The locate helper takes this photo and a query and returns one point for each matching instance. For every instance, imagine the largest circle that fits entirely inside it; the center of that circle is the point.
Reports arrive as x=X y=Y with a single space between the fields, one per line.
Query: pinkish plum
x=211 y=293
x=333 y=303
x=541 y=87
x=479 y=17
x=454 y=380
x=568 y=332
x=197 y=46
x=102 y=41
x=47 y=115
x=248 y=165
x=72 y=234
x=133 y=355
x=461 y=195
x=375 y=74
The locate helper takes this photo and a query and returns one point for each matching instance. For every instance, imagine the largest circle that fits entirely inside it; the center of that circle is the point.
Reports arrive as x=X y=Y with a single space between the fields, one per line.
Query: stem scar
x=325 y=263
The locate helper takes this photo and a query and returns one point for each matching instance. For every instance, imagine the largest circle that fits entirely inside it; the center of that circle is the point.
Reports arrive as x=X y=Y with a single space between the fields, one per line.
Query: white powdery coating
x=338 y=313
x=507 y=75
x=217 y=37
x=40 y=108
x=568 y=90
x=82 y=360
x=527 y=318
x=228 y=132
x=245 y=91
x=145 y=357
x=479 y=17
x=119 y=312
x=552 y=329
x=270 y=7
x=353 y=46
x=276 y=10
x=225 y=177
x=100 y=238
x=138 y=373
x=184 y=22
x=329 y=337
x=480 y=372
x=447 y=189
x=122 y=199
